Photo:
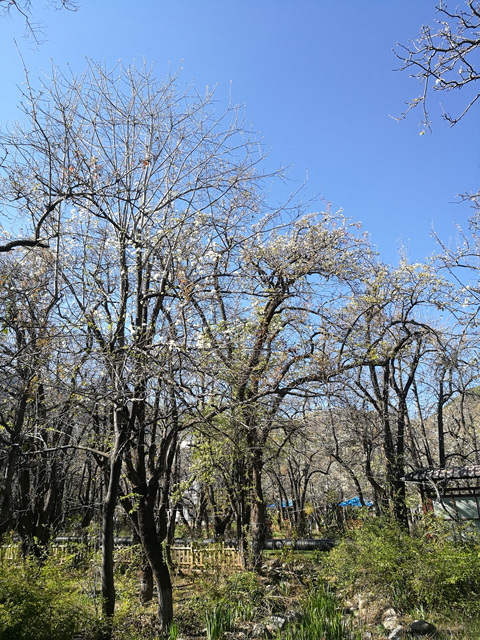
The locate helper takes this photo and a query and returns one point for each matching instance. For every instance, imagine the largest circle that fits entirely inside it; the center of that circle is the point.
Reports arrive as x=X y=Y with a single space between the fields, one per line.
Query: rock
x=245 y=628
x=389 y=619
x=350 y=606
x=370 y=610
x=397 y=634
x=275 y=564
x=260 y=631
x=294 y=616
x=276 y=623
x=422 y=628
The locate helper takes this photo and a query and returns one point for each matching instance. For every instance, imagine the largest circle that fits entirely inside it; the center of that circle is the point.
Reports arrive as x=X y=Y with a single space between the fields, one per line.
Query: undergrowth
x=432 y=574
x=232 y=598
x=40 y=602
x=436 y=568
x=321 y=618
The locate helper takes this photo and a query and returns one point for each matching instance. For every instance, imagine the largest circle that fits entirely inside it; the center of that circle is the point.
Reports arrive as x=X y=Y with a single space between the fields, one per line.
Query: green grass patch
x=321 y=618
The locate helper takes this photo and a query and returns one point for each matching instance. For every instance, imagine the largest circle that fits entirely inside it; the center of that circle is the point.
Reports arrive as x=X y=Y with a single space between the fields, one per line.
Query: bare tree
x=444 y=58
x=261 y=329
x=387 y=339
x=36 y=406
x=145 y=180
x=24 y=9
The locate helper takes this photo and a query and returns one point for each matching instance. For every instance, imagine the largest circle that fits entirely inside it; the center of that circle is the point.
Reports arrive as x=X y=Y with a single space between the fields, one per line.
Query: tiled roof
x=455 y=473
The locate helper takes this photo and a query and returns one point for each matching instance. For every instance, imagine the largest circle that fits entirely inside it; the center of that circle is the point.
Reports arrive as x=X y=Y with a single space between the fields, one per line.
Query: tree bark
x=108 y=520
x=152 y=546
x=109 y=505
x=257 y=515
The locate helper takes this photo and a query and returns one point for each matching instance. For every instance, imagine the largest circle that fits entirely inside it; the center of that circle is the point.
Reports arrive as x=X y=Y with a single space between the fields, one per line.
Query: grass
x=219 y=620
x=321 y=618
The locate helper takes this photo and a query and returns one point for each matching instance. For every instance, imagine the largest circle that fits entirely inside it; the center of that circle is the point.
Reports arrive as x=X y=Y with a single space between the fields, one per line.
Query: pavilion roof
x=454 y=473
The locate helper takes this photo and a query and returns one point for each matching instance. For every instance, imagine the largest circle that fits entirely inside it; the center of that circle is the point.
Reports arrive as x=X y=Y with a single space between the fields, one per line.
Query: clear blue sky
x=318 y=81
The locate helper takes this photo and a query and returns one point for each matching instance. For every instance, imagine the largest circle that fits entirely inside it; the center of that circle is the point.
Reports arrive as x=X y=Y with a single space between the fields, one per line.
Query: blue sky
x=318 y=82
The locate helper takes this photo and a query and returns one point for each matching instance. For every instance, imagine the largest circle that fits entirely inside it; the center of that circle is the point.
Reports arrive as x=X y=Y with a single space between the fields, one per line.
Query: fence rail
x=191 y=557
x=184 y=557
x=62 y=553
x=10 y=552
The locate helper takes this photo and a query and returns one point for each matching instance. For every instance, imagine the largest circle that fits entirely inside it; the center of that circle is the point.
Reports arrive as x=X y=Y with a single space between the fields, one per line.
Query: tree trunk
x=399 y=500
x=108 y=520
x=109 y=505
x=440 y=427
x=146 y=582
x=152 y=548
x=398 y=486
x=257 y=515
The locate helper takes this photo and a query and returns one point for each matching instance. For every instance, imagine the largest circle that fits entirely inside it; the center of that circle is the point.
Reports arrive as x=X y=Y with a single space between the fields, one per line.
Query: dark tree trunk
x=152 y=546
x=6 y=491
x=441 y=436
x=257 y=515
x=146 y=582
x=108 y=521
x=121 y=420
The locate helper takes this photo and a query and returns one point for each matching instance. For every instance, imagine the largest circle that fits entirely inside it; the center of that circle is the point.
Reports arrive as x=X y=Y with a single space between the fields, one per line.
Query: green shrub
x=435 y=567
x=245 y=595
x=37 y=603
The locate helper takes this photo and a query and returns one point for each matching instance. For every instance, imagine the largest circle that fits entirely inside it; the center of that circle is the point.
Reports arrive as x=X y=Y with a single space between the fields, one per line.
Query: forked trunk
x=153 y=550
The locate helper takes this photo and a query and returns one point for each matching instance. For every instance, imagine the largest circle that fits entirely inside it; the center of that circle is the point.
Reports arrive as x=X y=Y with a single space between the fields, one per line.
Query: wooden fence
x=10 y=552
x=61 y=553
x=191 y=558
x=205 y=557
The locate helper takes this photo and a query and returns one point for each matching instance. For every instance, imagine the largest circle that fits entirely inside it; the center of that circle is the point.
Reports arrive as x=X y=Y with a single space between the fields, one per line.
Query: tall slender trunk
x=6 y=491
x=257 y=514
x=108 y=520
x=440 y=428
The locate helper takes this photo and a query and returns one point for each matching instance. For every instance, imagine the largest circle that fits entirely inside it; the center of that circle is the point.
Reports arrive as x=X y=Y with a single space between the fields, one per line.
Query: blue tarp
x=354 y=502
x=284 y=505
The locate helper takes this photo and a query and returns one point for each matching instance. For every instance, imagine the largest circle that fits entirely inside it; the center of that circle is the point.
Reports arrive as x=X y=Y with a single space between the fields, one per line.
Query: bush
x=243 y=593
x=37 y=603
x=436 y=567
